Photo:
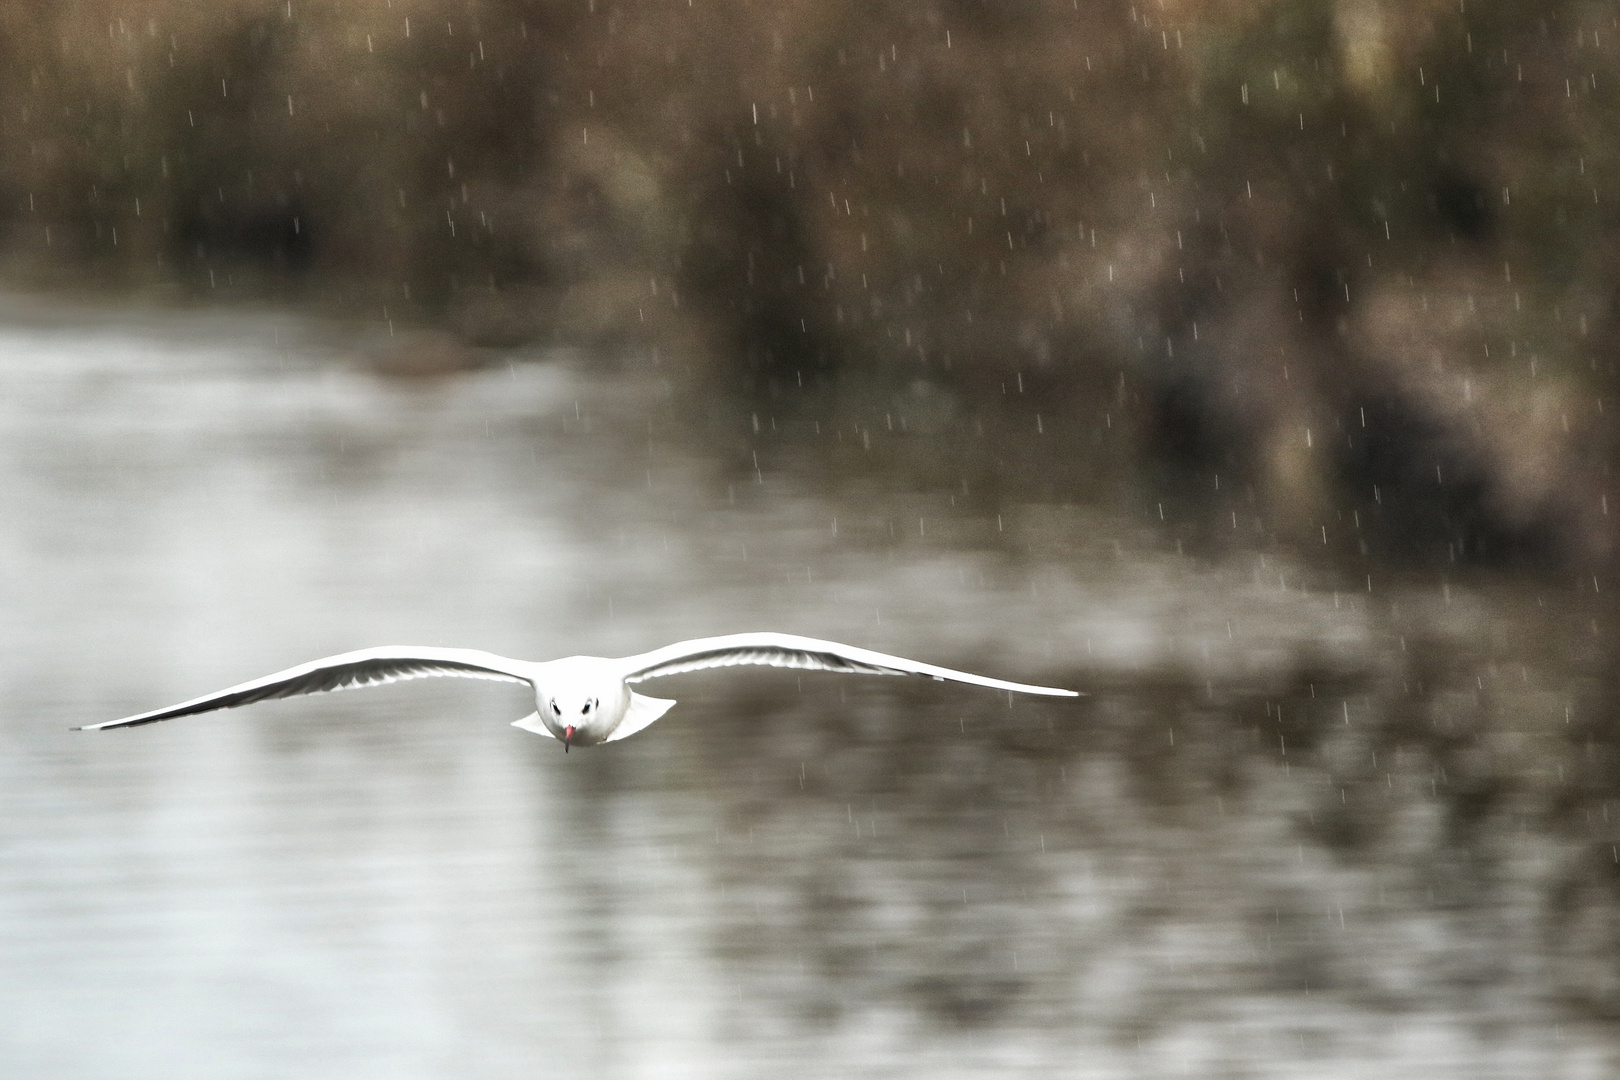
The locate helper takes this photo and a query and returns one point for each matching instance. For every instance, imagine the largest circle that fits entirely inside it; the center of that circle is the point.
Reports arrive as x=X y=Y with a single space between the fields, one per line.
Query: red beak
x=568 y=737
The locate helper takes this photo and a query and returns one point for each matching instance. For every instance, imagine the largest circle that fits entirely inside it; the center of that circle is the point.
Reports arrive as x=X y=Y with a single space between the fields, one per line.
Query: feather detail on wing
x=367 y=667
x=792 y=651
x=642 y=712
x=764 y=656
x=533 y=723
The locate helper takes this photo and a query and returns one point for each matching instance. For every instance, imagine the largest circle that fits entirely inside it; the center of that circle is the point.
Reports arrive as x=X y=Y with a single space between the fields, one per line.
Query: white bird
x=581 y=700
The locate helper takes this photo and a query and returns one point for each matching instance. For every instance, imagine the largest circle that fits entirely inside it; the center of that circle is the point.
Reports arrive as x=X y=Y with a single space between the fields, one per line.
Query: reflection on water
x=1293 y=831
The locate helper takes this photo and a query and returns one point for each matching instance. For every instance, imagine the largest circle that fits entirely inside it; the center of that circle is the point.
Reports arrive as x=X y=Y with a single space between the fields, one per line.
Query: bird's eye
x=587 y=706
x=556 y=710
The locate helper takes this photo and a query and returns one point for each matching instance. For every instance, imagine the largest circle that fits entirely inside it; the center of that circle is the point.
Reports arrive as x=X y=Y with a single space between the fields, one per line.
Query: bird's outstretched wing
x=366 y=667
x=792 y=651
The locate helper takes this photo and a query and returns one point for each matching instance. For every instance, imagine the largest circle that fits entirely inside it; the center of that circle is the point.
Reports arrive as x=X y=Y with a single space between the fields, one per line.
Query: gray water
x=1299 y=828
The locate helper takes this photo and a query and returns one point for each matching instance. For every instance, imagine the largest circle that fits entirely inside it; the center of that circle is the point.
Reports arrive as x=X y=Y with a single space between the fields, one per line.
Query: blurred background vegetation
x=1306 y=272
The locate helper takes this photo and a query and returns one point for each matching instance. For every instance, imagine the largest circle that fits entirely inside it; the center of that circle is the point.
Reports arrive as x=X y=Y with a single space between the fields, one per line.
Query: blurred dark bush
x=1336 y=272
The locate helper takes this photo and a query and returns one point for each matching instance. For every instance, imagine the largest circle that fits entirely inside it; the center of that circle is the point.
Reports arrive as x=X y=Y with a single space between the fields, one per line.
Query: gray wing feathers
x=367 y=667
x=792 y=651
x=768 y=657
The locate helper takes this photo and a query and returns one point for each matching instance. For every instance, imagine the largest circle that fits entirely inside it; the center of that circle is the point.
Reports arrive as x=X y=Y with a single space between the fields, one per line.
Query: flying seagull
x=581 y=700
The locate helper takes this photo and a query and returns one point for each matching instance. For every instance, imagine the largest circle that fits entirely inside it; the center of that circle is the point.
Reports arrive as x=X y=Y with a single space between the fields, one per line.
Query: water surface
x=1298 y=829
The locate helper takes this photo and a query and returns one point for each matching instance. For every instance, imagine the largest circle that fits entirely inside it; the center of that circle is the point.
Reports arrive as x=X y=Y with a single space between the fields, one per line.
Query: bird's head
x=585 y=712
x=571 y=713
